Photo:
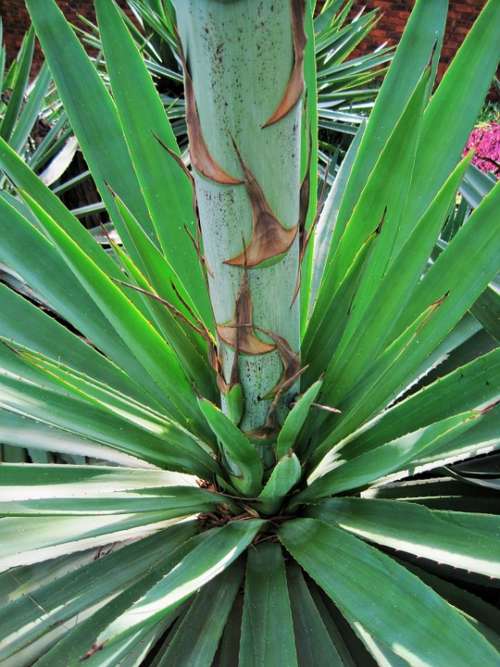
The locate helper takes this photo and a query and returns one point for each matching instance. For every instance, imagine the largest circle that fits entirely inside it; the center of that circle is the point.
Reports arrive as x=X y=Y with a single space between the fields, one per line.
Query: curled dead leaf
x=269 y=238
x=291 y=373
x=239 y=333
x=295 y=85
x=201 y=159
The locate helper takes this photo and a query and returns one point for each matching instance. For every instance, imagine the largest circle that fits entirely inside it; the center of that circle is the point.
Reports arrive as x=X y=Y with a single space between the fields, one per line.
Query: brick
x=16 y=21
x=462 y=14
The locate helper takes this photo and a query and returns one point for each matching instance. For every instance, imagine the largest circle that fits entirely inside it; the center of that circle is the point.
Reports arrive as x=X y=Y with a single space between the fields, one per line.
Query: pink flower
x=485 y=140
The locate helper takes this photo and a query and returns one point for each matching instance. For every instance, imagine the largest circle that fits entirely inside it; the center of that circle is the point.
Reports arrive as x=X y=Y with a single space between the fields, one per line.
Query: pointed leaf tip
x=270 y=239
x=295 y=85
x=201 y=158
x=239 y=332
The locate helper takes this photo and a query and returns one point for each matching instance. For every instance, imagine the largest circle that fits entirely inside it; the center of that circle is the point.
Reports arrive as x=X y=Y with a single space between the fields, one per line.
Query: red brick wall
x=395 y=14
x=16 y=21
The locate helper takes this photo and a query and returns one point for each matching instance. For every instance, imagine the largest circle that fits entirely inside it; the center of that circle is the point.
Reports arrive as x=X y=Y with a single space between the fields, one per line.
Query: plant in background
x=245 y=371
x=31 y=120
x=347 y=86
x=34 y=125
x=490 y=111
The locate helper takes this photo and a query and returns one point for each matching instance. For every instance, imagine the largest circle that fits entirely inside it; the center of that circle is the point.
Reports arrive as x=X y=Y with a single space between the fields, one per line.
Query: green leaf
x=12 y=454
x=465 y=341
x=464 y=86
x=333 y=477
x=235 y=403
x=30 y=253
x=314 y=645
x=481 y=438
x=31 y=577
x=31 y=110
x=487 y=311
x=483 y=473
x=386 y=298
x=326 y=223
x=482 y=615
x=245 y=466
x=467 y=387
x=73 y=645
x=184 y=341
x=443 y=492
x=267 y=634
x=475 y=186
x=28 y=325
x=25 y=180
x=326 y=326
x=379 y=212
x=64 y=380
x=383 y=202
x=295 y=420
x=2 y=56
x=157 y=268
x=98 y=130
x=410 y=618
x=136 y=332
x=343 y=638
x=228 y=652
x=166 y=189
x=216 y=550
x=196 y=637
x=71 y=649
x=423 y=32
x=23 y=64
x=450 y=275
x=326 y=15
x=395 y=359
x=448 y=289
x=309 y=157
x=408 y=527
x=33 y=539
x=64 y=481
x=168 y=445
x=19 y=431
x=35 y=490
x=80 y=589
x=284 y=476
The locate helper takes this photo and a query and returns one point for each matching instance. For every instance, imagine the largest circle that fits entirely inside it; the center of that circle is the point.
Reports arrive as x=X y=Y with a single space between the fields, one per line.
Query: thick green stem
x=240 y=56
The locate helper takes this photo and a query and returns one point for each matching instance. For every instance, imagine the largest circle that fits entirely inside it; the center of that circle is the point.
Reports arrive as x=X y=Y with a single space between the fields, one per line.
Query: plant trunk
x=241 y=58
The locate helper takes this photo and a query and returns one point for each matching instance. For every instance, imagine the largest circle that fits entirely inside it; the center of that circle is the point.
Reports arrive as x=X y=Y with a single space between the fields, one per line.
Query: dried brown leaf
x=201 y=158
x=239 y=333
x=269 y=237
x=295 y=85
x=200 y=329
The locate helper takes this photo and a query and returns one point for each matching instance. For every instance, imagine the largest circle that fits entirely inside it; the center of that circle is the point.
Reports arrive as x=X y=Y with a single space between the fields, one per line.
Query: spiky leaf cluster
x=253 y=492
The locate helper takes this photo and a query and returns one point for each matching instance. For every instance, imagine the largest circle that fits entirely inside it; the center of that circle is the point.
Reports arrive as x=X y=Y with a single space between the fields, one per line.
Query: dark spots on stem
x=201 y=158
